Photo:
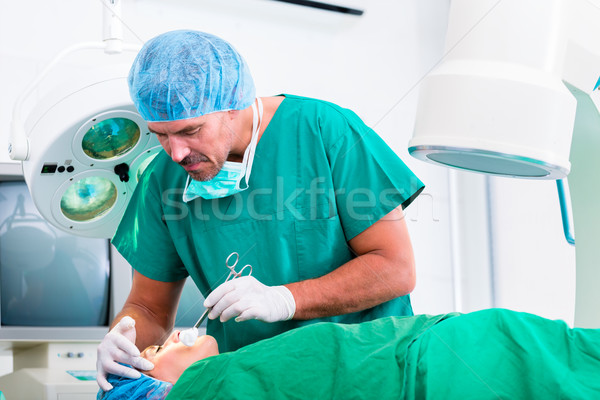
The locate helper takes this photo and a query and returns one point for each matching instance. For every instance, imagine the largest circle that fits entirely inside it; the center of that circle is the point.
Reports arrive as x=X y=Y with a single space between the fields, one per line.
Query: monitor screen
x=57 y=286
x=48 y=278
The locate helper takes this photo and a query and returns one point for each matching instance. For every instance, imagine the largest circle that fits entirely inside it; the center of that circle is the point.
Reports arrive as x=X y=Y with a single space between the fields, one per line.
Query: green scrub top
x=320 y=177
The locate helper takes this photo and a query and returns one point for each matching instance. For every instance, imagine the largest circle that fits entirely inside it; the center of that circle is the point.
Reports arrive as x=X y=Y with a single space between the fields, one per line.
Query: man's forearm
x=149 y=331
x=361 y=283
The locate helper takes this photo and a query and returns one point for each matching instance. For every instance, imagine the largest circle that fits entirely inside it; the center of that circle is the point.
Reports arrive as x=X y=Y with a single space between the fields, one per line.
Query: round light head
x=110 y=138
x=87 y=146
x=488 y=162
x=88 y=199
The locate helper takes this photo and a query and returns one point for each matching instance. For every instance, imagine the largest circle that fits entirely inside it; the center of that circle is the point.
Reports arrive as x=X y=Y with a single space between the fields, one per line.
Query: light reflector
x=88 y=198
x=110 y=138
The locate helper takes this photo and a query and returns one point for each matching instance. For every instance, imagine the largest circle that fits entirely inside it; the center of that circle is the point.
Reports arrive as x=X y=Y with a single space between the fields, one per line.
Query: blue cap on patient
x=142 y=388
x=185 y=74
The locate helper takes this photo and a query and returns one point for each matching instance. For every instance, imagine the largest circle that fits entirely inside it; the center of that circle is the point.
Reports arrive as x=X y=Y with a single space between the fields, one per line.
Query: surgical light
x=497 y=104
x=83 y=146
x=518 y=95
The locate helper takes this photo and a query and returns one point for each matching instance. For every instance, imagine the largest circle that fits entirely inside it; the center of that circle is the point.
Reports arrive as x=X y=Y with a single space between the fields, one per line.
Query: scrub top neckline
x=268 y=127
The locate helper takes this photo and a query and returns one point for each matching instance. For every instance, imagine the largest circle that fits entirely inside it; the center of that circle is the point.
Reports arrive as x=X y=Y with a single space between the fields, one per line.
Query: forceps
x=189 y=335
x=232 y=272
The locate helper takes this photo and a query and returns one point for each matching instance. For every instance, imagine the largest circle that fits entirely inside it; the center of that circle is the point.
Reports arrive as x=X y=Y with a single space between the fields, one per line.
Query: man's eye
x=158 y=348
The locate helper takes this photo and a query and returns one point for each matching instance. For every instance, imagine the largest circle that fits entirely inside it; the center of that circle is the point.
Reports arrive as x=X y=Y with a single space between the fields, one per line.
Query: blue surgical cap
x=185 y=74
x=143 y=388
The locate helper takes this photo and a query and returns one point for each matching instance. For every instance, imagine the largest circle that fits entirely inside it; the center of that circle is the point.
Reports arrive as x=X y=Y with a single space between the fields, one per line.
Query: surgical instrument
x=188 y=336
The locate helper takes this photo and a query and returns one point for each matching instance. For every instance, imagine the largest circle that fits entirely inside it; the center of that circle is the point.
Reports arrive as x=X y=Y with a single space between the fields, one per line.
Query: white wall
x=534 y=266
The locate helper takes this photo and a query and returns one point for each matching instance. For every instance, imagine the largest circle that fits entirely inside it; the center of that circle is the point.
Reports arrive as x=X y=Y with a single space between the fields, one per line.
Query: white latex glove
x=119 y=346
x=246 y=298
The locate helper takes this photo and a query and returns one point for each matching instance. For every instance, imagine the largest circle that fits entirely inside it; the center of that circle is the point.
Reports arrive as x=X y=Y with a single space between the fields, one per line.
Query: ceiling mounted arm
x=112 y=27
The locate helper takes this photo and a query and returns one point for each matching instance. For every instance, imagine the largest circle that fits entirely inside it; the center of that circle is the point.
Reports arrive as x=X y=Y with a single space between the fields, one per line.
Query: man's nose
x=179 y=148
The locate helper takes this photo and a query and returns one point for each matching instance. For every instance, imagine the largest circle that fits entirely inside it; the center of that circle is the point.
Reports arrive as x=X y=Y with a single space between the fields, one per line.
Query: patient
x=170 y=360
x=488 y=354
x=173 y=357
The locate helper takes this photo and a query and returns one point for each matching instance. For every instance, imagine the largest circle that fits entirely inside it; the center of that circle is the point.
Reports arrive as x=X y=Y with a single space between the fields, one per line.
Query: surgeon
x=307 y=195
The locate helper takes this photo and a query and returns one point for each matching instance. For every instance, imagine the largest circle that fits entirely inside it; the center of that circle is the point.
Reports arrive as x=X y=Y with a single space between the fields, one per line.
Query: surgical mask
x=229 y=179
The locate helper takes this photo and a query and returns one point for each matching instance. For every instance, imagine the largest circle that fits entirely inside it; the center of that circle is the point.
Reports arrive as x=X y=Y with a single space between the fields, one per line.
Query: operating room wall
x=534 y=266
x=372 y=64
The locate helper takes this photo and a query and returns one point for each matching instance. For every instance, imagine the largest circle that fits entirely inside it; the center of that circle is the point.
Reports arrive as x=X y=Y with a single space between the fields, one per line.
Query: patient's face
x=173 y=357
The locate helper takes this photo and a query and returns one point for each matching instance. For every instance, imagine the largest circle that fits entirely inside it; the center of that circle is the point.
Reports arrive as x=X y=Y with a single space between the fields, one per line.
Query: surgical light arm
x=18 y=146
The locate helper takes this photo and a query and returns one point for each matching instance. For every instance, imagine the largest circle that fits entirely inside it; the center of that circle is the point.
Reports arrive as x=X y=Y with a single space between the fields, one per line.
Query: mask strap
x=248 y=160
x=185 y=194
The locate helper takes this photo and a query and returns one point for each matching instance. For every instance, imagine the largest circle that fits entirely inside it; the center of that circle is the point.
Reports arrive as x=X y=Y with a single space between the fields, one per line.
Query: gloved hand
x=119 y=346
x=246 y=298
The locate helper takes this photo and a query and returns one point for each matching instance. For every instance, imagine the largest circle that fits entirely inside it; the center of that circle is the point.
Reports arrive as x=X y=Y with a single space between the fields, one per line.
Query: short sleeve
x=370 y=179
x=143 y=238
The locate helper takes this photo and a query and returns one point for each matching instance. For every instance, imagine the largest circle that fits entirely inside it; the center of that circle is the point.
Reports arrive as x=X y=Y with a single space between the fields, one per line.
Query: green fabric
x=491 y=354
x=320 y=177
x=2 y=396
x=320 y=361
x=500 y=354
